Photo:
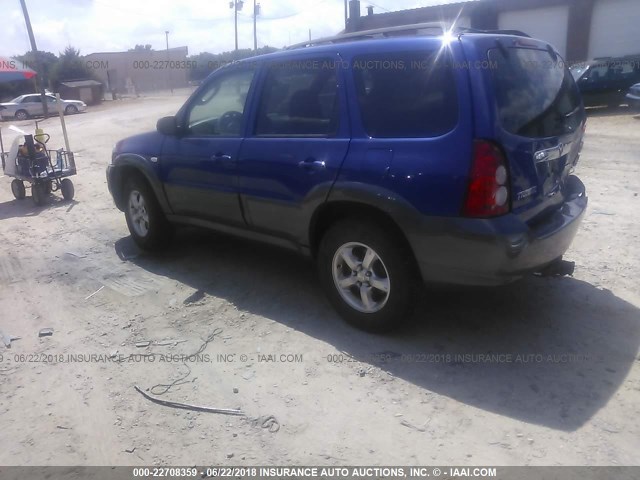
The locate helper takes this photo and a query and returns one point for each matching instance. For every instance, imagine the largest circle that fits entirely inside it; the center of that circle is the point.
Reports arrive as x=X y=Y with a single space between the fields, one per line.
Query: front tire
x=70 y=110
x=368 y=275
x=22 y=115
x=147 y=224
x=67 y=188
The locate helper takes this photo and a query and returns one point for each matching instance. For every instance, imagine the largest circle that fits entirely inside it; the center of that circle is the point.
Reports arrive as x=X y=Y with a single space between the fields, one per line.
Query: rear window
x=300 y=98
x=535 y=93
x=405 y=95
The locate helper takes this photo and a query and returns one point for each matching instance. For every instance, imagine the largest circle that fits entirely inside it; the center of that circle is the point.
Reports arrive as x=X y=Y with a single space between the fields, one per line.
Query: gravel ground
x=542 y=372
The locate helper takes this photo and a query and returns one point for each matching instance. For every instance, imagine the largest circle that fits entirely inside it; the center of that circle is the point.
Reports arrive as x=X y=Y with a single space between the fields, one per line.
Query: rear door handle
x=312 y=164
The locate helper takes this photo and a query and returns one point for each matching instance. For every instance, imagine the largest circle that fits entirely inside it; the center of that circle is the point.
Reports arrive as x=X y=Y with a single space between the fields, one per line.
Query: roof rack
x=517 y=33
x=438 y=27
x=374 y=33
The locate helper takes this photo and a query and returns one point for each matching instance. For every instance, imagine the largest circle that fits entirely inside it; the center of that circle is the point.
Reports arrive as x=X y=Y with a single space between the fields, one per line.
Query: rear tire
x=38 y=194
x=22 y=115
x=18 y=190
x=147 y=224
x=368 y=275
x=68 y=191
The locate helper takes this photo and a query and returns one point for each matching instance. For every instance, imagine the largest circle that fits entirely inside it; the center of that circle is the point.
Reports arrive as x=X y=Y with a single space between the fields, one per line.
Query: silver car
x=633 y=97
x=26 y=106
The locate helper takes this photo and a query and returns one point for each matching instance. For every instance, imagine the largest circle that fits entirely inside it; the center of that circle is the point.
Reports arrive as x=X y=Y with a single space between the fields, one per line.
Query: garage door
x=548 y=24
x=615 y=28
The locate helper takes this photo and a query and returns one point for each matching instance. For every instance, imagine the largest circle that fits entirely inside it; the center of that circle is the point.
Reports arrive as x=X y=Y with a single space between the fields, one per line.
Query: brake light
x=488 y=190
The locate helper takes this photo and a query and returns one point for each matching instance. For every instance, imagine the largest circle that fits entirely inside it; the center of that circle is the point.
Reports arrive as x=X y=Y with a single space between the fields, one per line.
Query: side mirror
x=168 y=126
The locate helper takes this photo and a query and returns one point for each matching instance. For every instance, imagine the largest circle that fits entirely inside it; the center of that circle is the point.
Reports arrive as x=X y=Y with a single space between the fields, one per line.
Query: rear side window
x=300 y=98
x=536 y=95
x=406 y=95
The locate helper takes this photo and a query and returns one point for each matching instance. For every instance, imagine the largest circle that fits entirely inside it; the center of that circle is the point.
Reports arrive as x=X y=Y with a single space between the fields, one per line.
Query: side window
x=299 y=98
x=219 y=109
x=406 y=95
x=622 y=70
x=598 y=72
x=32 y=99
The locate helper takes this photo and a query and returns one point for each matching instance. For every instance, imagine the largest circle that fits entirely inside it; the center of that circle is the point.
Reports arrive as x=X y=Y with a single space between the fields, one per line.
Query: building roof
x=163 y=51
x=446 y=11
x=81 y=83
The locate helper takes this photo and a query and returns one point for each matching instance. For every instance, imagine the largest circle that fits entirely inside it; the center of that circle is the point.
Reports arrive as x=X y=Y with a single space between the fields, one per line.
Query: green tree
x=206 y=62
x=38 y=61
x=70 y=66
x=141 y=48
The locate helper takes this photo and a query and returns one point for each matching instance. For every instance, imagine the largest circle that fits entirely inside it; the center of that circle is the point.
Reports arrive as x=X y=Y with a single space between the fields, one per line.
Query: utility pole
x=346 y=14
x=256 y=12
x=39 y=66
x=236 y=5
x=168 y=62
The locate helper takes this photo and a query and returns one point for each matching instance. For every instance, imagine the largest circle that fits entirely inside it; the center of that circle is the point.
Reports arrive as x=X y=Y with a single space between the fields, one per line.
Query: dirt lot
x=565 y=391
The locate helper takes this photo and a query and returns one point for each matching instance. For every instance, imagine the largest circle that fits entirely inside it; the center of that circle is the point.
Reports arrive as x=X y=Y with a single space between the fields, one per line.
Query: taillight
x=488 y=190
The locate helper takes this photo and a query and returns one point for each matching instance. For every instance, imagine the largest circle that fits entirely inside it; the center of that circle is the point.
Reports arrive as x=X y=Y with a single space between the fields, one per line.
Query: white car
x=25 y=106
x=633 y=97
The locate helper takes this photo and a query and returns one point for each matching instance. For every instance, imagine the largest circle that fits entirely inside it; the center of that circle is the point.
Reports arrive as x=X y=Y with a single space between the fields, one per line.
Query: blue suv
x=390 y=161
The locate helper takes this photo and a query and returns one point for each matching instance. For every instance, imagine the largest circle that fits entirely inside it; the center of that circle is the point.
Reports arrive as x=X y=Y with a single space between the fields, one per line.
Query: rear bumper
x=494 y=251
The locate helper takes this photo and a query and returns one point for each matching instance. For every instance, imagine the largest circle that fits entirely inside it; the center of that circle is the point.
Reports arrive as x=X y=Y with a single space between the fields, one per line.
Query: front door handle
x=220 y=157
x=312 y=164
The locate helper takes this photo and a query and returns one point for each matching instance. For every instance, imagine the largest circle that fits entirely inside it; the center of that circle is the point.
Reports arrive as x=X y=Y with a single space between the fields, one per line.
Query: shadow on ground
x=576 y=342
x=27 y=208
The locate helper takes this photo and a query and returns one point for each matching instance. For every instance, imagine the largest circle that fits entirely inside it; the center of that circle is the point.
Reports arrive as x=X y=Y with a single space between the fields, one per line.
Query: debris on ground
x=268 y=422
x=45 y=332
x=404 y=423
x=94 y=293
x=7 y=339
x=185 y=406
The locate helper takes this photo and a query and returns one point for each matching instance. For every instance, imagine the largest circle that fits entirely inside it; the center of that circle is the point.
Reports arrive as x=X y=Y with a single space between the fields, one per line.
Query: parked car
x=25 y=106
x=633 y=97
x=391 y=162
x=606 y=81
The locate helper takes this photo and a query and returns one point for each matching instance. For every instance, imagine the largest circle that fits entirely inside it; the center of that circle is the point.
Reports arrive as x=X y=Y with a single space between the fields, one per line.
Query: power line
x=378 y=6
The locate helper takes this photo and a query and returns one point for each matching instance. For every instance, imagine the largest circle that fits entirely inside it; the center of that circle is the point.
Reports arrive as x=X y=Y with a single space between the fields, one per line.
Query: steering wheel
x=230 y=122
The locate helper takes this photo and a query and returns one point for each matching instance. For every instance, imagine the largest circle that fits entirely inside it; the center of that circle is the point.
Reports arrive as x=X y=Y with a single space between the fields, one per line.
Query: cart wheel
x=17 y=187
x=38 y=193
x=47 y=187
x=67 y=189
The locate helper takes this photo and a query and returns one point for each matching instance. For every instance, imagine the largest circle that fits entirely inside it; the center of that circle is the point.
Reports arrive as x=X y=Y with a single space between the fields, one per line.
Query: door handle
x=221 y=157
x=312 y=164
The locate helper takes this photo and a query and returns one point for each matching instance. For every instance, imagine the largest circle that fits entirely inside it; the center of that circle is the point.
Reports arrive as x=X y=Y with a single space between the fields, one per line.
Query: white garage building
x=579 y=29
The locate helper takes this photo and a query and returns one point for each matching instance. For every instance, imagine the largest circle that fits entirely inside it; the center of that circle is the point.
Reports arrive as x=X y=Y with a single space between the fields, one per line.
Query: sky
x=202 y=25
